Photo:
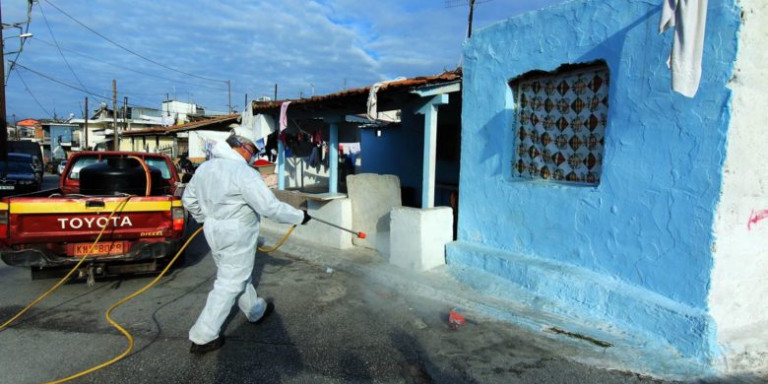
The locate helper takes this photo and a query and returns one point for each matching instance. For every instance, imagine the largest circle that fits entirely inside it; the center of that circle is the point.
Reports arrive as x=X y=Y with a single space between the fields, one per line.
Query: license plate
x=7 y=187
x=100 y=249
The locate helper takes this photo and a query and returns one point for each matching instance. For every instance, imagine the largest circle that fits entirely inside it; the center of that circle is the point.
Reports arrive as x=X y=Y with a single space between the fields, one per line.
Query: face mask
x=253 y=157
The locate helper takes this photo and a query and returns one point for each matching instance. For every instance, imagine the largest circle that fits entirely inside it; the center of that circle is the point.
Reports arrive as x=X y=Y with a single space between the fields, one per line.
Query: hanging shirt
x=373 y=104
x=688 y=17
x=284 y=115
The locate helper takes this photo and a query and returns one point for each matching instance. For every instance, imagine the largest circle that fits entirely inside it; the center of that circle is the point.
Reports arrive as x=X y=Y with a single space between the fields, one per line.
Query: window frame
x=514 y=90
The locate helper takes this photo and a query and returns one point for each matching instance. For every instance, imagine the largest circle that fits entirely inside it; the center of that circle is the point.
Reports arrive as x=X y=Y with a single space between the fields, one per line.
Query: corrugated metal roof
x=404 y=85
x=228 y=119
x=221 y=120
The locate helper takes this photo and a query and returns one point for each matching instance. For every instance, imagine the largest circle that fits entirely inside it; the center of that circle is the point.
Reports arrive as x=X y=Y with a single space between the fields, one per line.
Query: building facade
x=596 y=194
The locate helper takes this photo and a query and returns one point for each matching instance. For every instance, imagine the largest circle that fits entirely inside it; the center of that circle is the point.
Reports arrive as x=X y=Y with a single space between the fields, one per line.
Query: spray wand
x=360 y=235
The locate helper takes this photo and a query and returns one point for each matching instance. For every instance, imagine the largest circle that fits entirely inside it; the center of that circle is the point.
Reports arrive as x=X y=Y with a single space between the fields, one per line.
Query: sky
x=189 y=50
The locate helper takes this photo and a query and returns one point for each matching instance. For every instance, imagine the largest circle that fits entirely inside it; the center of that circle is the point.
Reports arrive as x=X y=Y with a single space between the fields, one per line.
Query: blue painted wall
x=648 y=225
x=61 y=133
x=398 y=151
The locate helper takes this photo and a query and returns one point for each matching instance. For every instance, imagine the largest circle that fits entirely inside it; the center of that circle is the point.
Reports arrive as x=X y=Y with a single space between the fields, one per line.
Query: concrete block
x=338 y=211
x=373 y=197
x=418 y=237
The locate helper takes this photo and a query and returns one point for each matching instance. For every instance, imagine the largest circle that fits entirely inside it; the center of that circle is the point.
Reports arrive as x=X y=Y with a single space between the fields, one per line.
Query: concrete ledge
x=373 y=197
x=337 y=211
x=591 y=298
x=418 y=236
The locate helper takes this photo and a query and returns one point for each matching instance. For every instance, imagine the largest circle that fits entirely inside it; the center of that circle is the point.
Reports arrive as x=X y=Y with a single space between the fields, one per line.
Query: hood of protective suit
x=222 y=150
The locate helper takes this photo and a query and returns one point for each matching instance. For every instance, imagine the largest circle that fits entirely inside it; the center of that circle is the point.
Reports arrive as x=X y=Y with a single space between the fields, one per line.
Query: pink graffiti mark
x=755 y=217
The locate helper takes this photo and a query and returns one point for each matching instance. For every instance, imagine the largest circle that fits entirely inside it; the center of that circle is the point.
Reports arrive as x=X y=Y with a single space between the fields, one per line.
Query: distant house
x=31 y=128
x=101 y=123
x=59 y=139
x=173 y=140
x=596 y=194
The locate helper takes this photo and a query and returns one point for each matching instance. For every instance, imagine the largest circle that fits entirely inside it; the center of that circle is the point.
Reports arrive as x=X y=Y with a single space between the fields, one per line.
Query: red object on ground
x=261 y=162
x=361 y=235
x=455 y=320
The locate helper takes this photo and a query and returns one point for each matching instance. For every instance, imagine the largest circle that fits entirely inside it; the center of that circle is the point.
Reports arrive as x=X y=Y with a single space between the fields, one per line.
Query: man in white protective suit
x=229 y=197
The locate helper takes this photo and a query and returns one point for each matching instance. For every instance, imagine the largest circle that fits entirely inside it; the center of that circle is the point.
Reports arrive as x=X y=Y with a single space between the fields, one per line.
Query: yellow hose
x=128 y=298
x=68 y=275
x=279 y=243
x=147 y=174
x=117 y=326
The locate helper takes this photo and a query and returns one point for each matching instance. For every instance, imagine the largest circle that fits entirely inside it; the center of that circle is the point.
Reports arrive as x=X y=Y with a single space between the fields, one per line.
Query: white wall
x=739 y=288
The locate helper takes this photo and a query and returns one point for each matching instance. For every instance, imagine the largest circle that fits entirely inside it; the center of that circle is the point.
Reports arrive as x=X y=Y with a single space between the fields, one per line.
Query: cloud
x=298 y=44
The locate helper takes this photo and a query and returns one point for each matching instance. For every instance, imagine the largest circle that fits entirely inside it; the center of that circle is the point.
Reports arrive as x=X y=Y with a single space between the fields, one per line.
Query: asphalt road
x=330 y=326
x=50 y=181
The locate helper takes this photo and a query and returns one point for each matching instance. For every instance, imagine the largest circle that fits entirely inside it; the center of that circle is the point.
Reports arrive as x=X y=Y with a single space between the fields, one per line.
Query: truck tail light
x=178 y=218
x=3 y=224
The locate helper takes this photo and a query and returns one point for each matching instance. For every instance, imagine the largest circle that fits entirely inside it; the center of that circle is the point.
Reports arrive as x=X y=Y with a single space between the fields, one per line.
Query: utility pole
x=471 y=12
x=275 y=92
x=245 y=103
x=125 y=113
x=3 y=122
x=114 y=114
x=85 y=126
x=229 y=95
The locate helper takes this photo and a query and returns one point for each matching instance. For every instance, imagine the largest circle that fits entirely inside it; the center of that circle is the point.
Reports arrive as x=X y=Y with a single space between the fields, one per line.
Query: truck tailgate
x=69 y=220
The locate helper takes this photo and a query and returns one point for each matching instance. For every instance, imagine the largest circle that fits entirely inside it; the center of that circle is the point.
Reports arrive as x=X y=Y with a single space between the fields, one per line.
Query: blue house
x=597 y=195
x=58 y=140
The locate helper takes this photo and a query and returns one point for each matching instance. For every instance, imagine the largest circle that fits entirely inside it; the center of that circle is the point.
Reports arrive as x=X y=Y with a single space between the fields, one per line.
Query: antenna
x=461 y=3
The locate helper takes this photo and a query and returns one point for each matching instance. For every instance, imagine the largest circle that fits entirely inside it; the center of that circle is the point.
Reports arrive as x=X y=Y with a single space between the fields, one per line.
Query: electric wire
x=89 y=57
x=50 y=30
x=26 y=87
x=21 y=42
x=69 y=85
x=130 y=50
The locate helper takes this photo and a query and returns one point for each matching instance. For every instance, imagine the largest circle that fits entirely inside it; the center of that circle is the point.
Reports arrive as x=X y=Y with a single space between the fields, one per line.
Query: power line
x=33 y=95
x=68 y=85
x=126 y=68
x=59 y=48
x=30 y=3
x=128 y=49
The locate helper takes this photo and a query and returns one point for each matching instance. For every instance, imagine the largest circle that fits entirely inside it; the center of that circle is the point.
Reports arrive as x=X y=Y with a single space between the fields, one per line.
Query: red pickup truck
x=51 y=230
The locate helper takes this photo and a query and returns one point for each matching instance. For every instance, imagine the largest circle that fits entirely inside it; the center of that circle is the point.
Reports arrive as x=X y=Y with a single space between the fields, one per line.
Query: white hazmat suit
x=229 y=197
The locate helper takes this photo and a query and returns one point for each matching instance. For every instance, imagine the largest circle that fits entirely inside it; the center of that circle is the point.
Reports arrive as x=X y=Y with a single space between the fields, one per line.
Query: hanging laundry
x=373 y=104
x=284 y=115
x=325 y=155
x=313 y=158
x=317 y=137
x=688 y=18
x=350 y=148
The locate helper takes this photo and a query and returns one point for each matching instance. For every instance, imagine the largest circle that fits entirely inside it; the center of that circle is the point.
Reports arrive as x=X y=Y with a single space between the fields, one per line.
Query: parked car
x=29 y=147
x=20 y=174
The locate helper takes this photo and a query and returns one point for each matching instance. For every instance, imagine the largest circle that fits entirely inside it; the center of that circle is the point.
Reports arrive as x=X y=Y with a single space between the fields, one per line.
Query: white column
x=429 y=110
x=333 y=153
x=428 y=164
x=280 y=164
